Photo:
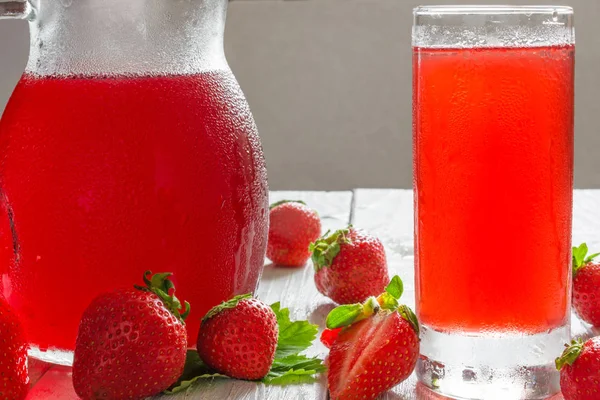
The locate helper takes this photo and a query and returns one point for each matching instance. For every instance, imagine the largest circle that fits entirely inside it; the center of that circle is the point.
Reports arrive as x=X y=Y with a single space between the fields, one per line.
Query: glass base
x=496 y=366
x=52 y=356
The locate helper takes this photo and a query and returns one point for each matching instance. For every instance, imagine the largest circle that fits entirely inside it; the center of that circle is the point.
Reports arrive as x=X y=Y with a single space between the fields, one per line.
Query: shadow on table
x=319 y=314
x=273 y=271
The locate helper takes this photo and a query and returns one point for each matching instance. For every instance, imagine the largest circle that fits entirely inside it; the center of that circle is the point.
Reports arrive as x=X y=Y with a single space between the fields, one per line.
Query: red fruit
x=371 y=356
x=131 y=343
x=350 y=266
x=293 y=227
x=14 y=379
x=377 y=347
x=239 y=337
x=586 y=286
x=329 y=336
x=579 y=367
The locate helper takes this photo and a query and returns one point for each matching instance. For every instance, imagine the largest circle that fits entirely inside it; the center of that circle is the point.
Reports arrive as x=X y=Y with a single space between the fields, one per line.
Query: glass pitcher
x=126 y=146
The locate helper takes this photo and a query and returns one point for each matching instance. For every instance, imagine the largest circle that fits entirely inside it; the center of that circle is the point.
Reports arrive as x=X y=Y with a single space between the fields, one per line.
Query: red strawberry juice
x=103 y=178
x=493 y=159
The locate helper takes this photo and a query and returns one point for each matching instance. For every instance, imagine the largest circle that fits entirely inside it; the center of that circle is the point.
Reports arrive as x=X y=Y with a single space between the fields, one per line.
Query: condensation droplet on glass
x=66 y=3
x=555 y=16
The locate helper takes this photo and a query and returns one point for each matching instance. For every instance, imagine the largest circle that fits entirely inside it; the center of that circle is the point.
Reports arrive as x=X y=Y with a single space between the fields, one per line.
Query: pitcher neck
x=133 y=37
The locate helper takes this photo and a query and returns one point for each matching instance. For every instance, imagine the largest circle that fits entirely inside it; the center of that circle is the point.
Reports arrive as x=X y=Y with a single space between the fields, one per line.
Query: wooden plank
x=293 y=287
x=389 y=215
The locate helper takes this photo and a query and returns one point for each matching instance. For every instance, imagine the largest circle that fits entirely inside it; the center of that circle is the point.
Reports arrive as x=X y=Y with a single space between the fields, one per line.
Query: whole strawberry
x=131 y=343
x=579 y=367
x=14 y=379
x=239 y=337
x=350 y=266
x=293 y=227
x=377 y=348
x=586 y=285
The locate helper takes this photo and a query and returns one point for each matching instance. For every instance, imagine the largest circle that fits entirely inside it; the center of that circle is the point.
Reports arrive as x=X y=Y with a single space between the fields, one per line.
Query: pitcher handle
x=18 y=9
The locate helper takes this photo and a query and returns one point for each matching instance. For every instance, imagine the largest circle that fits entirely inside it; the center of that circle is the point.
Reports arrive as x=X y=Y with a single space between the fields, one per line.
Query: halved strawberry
x=377 y=348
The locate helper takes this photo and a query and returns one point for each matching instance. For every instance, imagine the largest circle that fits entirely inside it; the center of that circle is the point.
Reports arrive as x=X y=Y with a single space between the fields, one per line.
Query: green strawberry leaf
x=294 y=337
x=579 y=254
x=289 y=366
x=348 y=314
x=294 y=369
x=327 y=247
x=570 y=354
x=589 y=259
x=290 y=377
x=193 y=371
x=298 y=361
x=395 y=288
x=343 y=315
x=580 y=257
x=226 y=305
x=161 y=285
x=410 y=316
x=280 y=202
x=389 y=299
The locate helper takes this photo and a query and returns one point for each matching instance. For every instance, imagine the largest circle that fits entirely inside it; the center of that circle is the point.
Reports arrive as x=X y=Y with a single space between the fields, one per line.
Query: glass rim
x=491 y=10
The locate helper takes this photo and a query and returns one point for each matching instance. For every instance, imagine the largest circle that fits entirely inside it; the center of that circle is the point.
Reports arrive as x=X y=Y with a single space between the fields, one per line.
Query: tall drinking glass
x=493 y=154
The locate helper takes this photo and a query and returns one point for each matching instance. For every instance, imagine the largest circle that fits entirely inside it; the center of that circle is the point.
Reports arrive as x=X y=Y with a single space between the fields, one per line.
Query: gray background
x=329 y=82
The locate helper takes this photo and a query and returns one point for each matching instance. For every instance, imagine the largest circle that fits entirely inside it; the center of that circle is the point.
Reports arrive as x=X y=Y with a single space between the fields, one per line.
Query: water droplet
x=555 y=16
x=66 y=3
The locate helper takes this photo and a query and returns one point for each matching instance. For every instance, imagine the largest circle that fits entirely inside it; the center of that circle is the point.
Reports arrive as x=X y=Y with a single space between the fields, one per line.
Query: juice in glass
x=494 y=145
x=493 y=178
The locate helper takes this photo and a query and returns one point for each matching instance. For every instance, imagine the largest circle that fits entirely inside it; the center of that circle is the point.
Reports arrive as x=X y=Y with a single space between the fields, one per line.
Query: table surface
x=388 y=214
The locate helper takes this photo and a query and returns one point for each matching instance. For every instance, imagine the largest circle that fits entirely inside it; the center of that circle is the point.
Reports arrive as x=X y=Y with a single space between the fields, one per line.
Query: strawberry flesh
x=329 y=336
x=371 y=356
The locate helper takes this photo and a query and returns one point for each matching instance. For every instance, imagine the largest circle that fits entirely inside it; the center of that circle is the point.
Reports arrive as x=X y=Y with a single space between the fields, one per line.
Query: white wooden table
x=386 y=213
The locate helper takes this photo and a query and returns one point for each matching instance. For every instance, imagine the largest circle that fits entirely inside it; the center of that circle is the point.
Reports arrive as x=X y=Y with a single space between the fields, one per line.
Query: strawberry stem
x=580 y=257
x=388 y=300
x=410 y=316
x=226 y=305
x=326 y=248
x=163 y=287
x=348 y=314
x=570 y=355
